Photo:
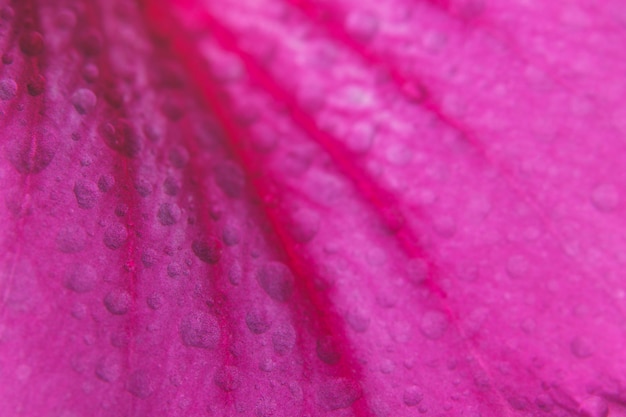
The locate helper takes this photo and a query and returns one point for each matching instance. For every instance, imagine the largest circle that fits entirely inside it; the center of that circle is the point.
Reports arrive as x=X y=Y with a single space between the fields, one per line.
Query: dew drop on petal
x=36 y=86
x=208 y=250
x=517 y=266
x=594 y=407
x=121 y=137
x=8 y=89
x=227 y=378
x=33 y=153
x=106 y=183
x=326 y=351
x=81 y=278
x=581 y=348
x=338 y=394
x=283 y=339
x=412 y=396
x=118 y=302
x=109 y=368
x=362 y=25
x=303 y=225
x=358 y=321
x=149 y=258
x=86 y=193
x=115 y=236
x=433 y=324
x=140 y=384
x=229 y=177
x=71 y=239
x=31 y=43
x=198 y=329
x=276 y=280
x=84 y=100
x=169 y=214
x=258 y=321
x=605 y=197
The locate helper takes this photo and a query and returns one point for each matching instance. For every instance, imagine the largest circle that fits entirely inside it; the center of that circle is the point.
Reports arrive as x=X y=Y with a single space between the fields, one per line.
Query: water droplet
x=86 y=193
x=109 y=368
x=433 y=324
x=412 y=396
x=179 y=157
x=360 y=138
x=37 y=85
x=171 y=186
x=303 y=225
x=258 y=321
x=208 y=250
x=169 y=214
x=91 y=73
x=149 y=257
x=338 y=394
x=81 y=278
x=200 y=330
x=121 y=137
x=71 y=239
x=143 y=187
x=235 y=273
x=155 y=301
x=31 y=43
x=8 y=89
x=84 y=100
x=121 y=210
x=140 y=384
x=326 y=351
x=33 y=153
x=594 y=407
x=284 y=339
x=115 y=236
x=229 y=177
x=7 y=58
x=605 y=197
x=227 y=378
x=118 y=302
x=276 y=280
x=517 y=266
x=230 y=235
x=362 y=25
x=106 y=183
x=444 y=226
x=581 y=348
x=358 y=321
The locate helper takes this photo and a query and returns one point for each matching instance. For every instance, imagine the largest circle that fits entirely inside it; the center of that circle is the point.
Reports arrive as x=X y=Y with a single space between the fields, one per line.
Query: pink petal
x=304 y=207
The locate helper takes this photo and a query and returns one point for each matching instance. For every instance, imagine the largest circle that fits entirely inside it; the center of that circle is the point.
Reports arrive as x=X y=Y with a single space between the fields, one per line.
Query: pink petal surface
x=305 y=207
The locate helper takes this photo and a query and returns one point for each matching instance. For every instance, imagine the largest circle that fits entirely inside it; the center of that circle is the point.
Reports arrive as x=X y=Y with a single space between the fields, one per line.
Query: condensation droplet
x=230 y=235
x=86 y=193
x=169 y=214
x=517 y=266
x=594 y=407
x=235 y=273
x=91 y=73
x=71 y=239
x=358 y=321
x=149 y=257
x=121 y=137
x=433 y=324
x=303 y=225
x=81 y=278
x=8 y=89
x=31 y=43
x=109 y=368
x=106 y=182
x=155 y=301
x=140 y=384
x=605 y=197
x=208 y=250
x=229 y=177
x=581 y=348
x=115 y=236
x=326 y=351
x=412 y=396
x=33 y=153
x=37 y=85
x=179 y=157
x=227 y=378
x=171 y=186
x=118 y=302
x=276 y=280
x=338 y=394
x=258 y=321
x=143 y=187
x=84 y=100
x=200 y=330
x=284 y=339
